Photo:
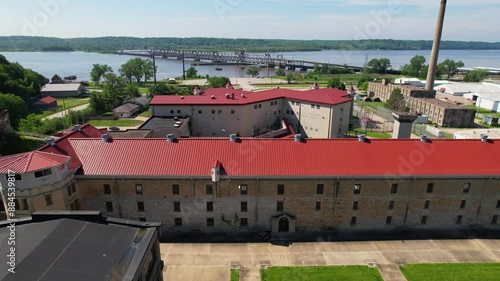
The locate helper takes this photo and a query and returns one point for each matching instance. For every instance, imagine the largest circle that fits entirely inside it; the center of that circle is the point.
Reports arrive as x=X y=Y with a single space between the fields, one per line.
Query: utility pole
x=183 y=67
x=154 y=65
x=431 y=75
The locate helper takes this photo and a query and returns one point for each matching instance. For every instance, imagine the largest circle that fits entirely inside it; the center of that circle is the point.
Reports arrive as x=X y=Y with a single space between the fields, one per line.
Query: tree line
x=112 y=44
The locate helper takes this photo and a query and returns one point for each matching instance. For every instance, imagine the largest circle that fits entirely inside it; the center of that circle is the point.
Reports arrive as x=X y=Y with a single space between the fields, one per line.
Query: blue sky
x=288 y=19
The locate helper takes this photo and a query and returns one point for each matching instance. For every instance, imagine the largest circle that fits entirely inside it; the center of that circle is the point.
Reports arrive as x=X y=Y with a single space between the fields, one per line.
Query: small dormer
x=229 y=85
x=216 y=171
x=197 y=91
x=315 y=86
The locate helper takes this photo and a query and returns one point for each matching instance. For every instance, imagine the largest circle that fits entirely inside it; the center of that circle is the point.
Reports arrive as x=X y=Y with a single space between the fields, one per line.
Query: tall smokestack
x=435 y=47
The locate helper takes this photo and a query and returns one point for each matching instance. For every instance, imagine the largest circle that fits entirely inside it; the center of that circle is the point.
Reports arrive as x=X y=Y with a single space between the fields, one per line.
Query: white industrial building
x=461 y=89
x=476 y=134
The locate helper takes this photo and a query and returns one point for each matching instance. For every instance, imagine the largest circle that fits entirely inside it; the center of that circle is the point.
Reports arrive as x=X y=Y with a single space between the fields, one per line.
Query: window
x=243 y=189
x=459 y=220
x=138 y=189
x=287 y=111
x=69 y=190
x=16 y=204
x=175 y=189
x=272 y=103
x=142 y=219
x=209 y=189
x=17 y=177
x=177 y=206
x=391 y=205
x=357 y=188
x=243 y=222
x=210 y=206
x=279 y=206
x=354 y=221
x=394 y=188
x=140 y=206
x=172 y=112
x=219 y=111
x=281 y=189
x=109 y=206
x=427 y=204
x=355 y=206
x=498 y=204
x=107 y=189
x=319 y=188
x=179 y=112
x=423 y=220
x=213 y=111
x=462 y=204
x=210 y=222
x=48 y=200
x=43 y=173
x=430 y=188
x=318 y=107
x=292 y=102
x=178 y=222
x=24 y=204
x=466 y=188
x=388 y=220
x=200 y=112
x=312 y=105
x=494 y=220
x=255 y=107
x=244 y=206
x=232 y=111
x=318 y=206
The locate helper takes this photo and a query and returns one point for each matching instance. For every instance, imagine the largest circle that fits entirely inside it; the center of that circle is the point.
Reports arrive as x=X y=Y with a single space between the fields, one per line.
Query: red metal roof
x=47 y=100
x=30 y=162
x=323 y=96
x=63 y=147
x=288 y=158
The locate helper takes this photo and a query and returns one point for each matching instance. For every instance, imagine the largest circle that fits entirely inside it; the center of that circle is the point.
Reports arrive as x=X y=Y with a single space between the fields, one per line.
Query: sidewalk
x=213 y=261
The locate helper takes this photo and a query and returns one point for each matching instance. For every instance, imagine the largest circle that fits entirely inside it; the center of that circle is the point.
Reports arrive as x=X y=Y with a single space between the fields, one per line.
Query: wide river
x=80 y=63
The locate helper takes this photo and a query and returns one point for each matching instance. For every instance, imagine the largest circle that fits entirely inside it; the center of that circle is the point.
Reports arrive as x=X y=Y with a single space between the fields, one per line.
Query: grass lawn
x=143 y=90
x=118 y=123
x=452 y=272
x=321 y=273
x=235 y=275
x=72 y=102
x=483 y=111
x=377 y=135
x=146 y=113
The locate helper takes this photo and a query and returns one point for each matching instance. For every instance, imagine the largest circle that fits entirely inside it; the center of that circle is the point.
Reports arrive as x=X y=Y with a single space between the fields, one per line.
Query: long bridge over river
x=239 y=57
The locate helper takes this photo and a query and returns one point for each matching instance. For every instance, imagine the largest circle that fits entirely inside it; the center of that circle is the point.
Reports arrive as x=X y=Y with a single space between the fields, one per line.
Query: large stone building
x=424 y=102
x=212 y=185
x=317 y=113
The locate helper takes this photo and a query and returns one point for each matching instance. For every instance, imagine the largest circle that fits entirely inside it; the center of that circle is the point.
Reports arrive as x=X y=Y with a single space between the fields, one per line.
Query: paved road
x=211 y=262
x=62 y=113
x=246 y=84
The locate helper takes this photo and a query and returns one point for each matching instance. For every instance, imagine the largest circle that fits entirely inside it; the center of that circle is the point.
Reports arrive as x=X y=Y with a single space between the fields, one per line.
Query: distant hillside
x=111 y=44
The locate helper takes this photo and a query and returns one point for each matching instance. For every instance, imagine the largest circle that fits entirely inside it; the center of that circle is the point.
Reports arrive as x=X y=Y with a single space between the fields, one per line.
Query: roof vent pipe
x=77 y=127
x=484 y=138
x=105 y=137
x=50 y=141
x=362 y=138
x=232 y=137
x=298 y=138
x=170 y=137
x=423 y=138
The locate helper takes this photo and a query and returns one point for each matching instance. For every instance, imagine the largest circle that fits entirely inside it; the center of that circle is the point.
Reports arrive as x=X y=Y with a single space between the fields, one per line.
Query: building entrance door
x=284 y=225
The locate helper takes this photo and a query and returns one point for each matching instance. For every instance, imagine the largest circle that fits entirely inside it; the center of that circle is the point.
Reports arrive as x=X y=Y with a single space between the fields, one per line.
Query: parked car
x=114 y=128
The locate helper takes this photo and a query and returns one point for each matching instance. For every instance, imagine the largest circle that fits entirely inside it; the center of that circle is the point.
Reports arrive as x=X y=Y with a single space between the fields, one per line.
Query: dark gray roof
x=157 y=122
x=74 y=250
x=126 y=108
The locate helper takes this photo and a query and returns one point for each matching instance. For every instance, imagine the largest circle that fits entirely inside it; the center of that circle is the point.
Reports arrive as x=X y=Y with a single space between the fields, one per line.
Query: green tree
x=113 y=91
x=16 y=107
x=97 y=103
x=379 y=65
x=132 y=91
x=397 y=101
x=477 y=75
x=30 y=124
x=252 y=71
x=415 y=68
x=450 y=67
x=98 y=71
x=218 y=81
x=289 y=77
x=191 y=72
x=280 y=72
x=148 y=70
x=161 y=89
x=336 y=84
